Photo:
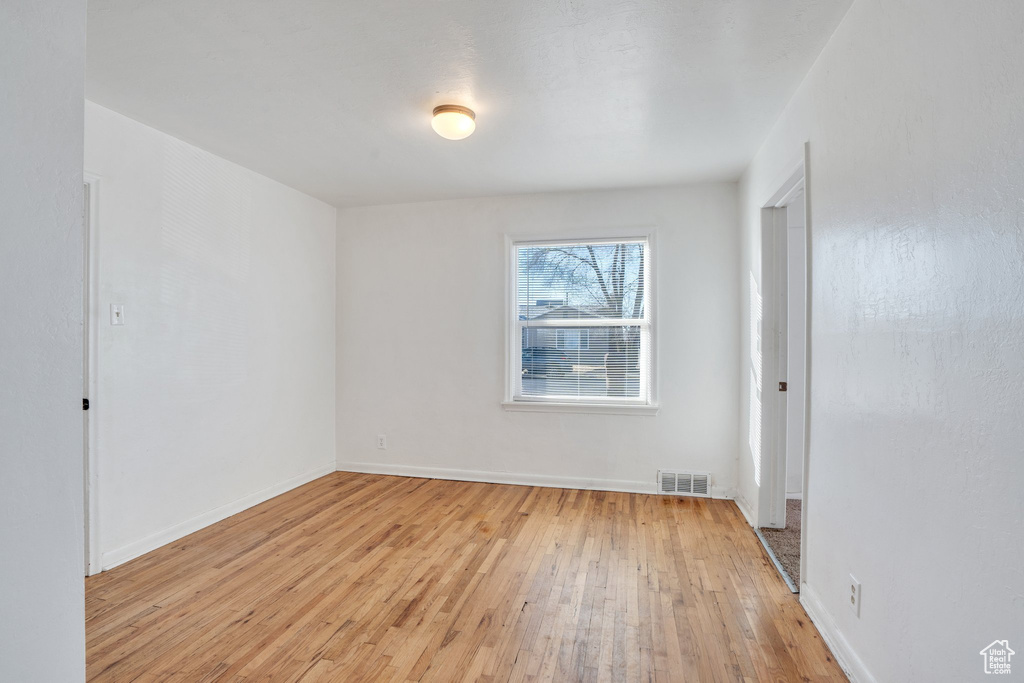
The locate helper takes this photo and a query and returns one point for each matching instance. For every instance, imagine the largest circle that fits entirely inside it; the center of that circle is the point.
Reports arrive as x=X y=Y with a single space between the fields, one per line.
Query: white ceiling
x=333 y=97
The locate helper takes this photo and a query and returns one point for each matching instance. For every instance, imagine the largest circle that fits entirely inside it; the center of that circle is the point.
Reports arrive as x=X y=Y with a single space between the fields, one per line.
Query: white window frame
x=646 y=403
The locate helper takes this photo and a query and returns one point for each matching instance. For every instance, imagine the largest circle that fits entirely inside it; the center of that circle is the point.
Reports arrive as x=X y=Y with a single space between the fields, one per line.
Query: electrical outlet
x=854 y=595
x=382 y=442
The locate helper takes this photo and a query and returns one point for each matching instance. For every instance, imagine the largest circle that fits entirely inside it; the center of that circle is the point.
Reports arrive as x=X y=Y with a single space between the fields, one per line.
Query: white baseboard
x=515 y=478
x=744 y=507
x=834 y=638
x=113 y=558
x=795 y=496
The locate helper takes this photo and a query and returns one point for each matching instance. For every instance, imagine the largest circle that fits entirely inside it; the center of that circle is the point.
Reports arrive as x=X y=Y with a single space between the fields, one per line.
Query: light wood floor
x=362 y=577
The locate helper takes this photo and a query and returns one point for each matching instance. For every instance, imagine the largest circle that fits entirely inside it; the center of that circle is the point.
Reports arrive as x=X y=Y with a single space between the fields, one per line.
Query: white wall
x=421 y=305
x=914 y=114
x=219 y=390
x=42 y=621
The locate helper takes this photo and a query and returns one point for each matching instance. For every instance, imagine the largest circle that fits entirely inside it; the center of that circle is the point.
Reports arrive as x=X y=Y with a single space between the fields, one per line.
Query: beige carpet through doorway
x=785 y=543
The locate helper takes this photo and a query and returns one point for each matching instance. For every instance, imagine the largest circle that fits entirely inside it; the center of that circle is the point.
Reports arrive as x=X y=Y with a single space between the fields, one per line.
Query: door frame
x=90 y=356
x=771 y=511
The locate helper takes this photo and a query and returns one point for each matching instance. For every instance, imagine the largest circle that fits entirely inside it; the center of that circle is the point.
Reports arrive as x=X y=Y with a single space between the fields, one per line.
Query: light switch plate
x=117 y=314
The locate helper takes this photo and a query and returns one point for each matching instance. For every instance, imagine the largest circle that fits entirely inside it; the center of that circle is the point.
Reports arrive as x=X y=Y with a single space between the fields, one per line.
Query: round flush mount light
x=453 y=122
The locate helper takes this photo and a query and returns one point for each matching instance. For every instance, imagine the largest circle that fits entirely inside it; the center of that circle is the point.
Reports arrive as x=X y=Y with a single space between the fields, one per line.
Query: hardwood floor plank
x=363 y=577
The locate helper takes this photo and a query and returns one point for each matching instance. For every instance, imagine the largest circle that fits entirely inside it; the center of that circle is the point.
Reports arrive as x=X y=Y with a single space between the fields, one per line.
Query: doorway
x=782 y=503
x=90 y=348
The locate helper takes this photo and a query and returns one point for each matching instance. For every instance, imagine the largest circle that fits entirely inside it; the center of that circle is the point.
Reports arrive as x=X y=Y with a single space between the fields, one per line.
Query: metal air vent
x=676 y=483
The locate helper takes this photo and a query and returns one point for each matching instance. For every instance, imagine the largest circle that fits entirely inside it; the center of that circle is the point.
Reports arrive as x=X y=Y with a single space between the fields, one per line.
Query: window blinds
x=583 y=319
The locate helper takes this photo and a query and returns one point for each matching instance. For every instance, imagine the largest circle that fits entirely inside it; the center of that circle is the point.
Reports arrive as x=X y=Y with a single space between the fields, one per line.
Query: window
x=581 y=328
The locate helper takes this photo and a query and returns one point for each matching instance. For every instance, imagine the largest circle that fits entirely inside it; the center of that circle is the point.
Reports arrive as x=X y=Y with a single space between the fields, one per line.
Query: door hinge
x=85 y=404
x=782 y=386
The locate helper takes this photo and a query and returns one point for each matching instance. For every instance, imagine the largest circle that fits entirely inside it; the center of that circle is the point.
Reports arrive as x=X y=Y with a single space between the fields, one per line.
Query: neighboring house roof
x=564 y=311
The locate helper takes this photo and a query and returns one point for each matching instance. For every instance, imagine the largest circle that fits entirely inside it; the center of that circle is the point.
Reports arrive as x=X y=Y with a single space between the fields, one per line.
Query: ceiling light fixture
x=453 y=122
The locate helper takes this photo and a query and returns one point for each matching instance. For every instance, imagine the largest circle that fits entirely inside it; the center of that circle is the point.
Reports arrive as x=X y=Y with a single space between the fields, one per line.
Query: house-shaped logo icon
x=997 y=657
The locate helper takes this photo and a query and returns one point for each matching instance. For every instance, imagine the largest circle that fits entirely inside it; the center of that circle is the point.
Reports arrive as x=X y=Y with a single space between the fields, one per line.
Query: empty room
x=449 y=340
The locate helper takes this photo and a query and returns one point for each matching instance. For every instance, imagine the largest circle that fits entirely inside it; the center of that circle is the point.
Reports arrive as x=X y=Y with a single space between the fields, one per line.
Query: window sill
x=572 y=407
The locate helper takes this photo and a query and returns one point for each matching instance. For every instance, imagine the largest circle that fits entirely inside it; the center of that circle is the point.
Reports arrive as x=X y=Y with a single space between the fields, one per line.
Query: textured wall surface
x=421 y=294
x=42 y=56
x=915 y=117
x=221 y=383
